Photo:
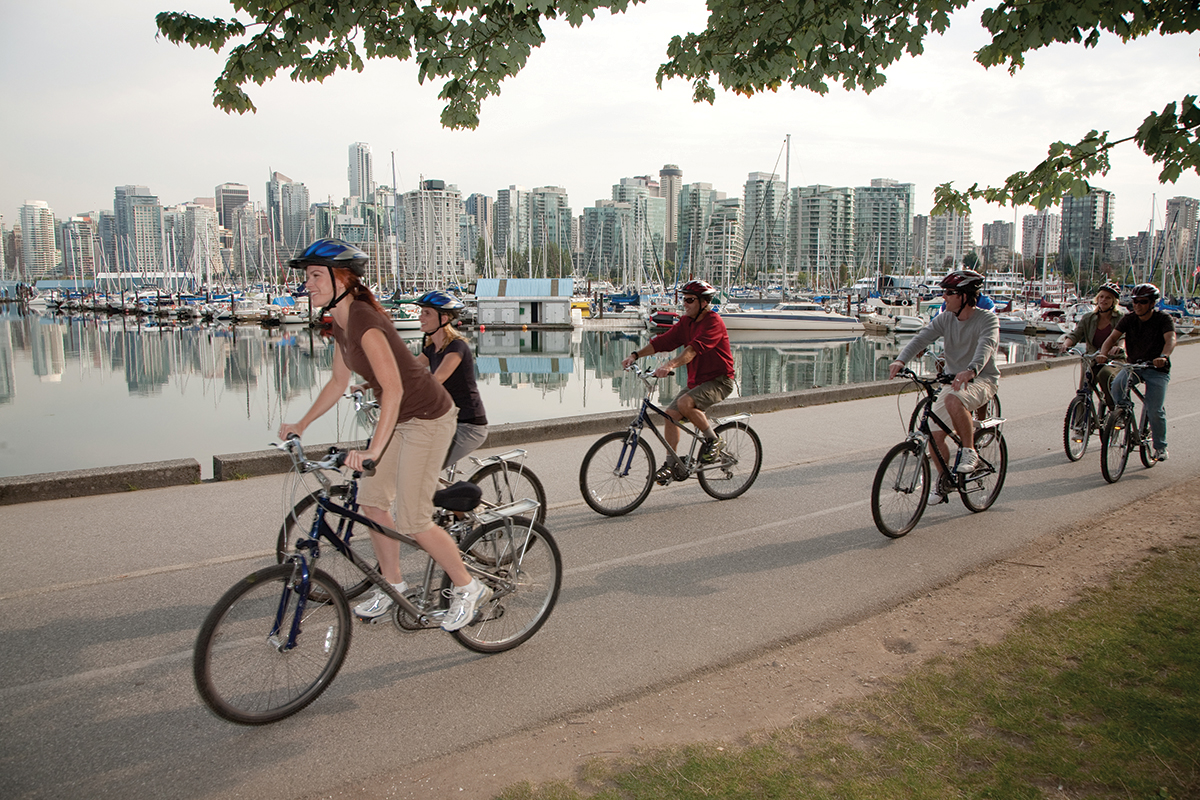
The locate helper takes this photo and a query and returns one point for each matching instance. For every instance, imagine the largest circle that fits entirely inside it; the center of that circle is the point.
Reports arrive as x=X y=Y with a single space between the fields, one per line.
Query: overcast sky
x=93 y=100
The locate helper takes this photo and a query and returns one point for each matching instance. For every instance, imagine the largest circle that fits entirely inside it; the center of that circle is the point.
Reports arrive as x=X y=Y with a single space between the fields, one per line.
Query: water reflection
x=94 y=391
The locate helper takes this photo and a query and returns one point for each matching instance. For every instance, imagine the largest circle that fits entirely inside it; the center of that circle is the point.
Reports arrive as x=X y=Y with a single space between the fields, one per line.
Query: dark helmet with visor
x=702 y=289
x=967 y=281
x=1146 y=291
x=332 y=253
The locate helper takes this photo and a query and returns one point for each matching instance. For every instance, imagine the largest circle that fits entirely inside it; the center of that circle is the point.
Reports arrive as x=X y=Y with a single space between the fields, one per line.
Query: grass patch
x=1098 y=700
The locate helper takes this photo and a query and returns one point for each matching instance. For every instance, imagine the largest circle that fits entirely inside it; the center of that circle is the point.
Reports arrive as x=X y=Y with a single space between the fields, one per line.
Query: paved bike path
x=102 y=597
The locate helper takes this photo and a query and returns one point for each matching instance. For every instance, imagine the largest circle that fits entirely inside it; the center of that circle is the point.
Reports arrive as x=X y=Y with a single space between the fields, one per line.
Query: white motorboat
x=791 y=316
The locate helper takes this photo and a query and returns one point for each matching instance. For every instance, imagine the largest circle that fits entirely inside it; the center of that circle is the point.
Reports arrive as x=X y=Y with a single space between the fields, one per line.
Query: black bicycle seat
x=460 y=496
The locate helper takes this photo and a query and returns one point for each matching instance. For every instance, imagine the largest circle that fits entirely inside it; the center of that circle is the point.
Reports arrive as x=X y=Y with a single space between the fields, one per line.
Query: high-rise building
x=81 y=247
x=512 y=225
x=1086 y=230
x=295 y=230
x=883 y=214
x=999 y=239
x=434 y=210
x=647 y=244
x=3 y=237
x=1179 y=233
x=696 y=202
x=605 y=245
x=1040 y=235
x=821 y=240
x=360 y=173
x=724 y=242
x=138 y=230
x=38 y=253
x=945 y=239
x=670 y=180
x=229 y=196
x=764 y=228
x=200 y=248
x=550 y=214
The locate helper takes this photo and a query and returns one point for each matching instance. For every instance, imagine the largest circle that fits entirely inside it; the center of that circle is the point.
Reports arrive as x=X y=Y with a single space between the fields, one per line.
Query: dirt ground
x=808 y=677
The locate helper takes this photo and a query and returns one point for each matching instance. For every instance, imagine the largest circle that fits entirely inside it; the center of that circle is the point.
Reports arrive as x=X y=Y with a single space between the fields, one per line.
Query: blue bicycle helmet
x=440 y=301
x=332 y=253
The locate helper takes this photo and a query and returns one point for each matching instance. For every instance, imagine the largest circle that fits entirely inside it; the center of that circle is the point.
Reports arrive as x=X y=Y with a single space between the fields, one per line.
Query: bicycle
x=1084 y=416
x=988 y=410
x=900 y=491
x=503 y=478
x=1120 y=434
x=618 y=471
x=277 y=638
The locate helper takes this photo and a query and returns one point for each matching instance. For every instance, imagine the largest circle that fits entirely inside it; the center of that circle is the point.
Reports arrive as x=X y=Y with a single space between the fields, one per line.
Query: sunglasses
x=951 y=293
x=1141 y=301
x=689 y=300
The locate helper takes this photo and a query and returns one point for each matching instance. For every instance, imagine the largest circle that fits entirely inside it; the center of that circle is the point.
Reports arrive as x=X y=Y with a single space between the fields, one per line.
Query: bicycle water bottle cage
x=460 y=496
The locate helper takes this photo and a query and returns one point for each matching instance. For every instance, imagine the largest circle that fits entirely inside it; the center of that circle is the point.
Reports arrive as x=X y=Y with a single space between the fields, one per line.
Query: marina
x=91 y=390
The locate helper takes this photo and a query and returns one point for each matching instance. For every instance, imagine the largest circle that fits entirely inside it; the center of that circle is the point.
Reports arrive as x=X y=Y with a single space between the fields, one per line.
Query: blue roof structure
x=524 y=287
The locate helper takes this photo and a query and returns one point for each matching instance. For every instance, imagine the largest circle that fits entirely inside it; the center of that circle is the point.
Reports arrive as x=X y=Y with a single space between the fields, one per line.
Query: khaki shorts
x=972 y=396
x=407 y=473
x=706 y=394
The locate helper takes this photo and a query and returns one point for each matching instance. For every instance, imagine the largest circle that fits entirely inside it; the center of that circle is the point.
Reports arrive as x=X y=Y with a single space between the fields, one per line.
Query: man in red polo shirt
x=705 y=342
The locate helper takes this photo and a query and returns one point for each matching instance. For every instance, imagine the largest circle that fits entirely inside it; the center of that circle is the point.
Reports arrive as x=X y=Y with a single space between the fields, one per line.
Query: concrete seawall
x=234 y=466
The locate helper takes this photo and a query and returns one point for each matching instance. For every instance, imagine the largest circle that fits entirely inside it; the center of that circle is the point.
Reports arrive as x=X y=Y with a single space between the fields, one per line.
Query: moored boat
x=791 y=316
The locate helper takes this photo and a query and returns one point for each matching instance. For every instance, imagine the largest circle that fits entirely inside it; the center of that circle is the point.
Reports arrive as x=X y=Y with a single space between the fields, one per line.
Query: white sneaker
x=968 y=460
x=1160 y=455
x=464 y=601
x=378 y=603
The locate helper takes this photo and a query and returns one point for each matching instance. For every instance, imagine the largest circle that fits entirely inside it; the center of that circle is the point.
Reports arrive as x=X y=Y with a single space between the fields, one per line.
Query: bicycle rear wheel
x=524 y=569
x=617 y=473
x=901 y=489
x=1115 y=443
x=741 y=459
x=297 y=524
x=1146 y=445
x=242 y=666
x=978 y=493
x=503 y=483
x=1077 y=428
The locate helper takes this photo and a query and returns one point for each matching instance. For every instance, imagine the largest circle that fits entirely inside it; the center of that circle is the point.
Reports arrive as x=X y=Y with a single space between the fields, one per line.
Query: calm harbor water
x=78 y=392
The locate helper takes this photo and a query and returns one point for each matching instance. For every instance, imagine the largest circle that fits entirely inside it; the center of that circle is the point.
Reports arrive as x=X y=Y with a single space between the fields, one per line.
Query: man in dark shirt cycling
x=1149 y=337
x=705 y=342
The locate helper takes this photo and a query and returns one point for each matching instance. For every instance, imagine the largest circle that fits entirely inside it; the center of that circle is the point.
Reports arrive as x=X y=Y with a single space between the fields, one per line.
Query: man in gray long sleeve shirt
x=971 y=335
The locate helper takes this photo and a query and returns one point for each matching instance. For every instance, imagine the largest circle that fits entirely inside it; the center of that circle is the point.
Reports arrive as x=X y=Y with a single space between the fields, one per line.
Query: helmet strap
x=337 y=299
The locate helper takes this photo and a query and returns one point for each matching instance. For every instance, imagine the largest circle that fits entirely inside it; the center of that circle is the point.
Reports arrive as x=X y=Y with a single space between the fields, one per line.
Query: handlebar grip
x=369 y=464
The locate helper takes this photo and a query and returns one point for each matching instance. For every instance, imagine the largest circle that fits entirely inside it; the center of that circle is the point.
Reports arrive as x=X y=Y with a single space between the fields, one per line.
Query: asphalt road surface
x=101 y=598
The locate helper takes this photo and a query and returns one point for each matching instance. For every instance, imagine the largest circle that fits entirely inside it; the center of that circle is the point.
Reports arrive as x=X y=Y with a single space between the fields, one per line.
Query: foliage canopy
x=746 y=47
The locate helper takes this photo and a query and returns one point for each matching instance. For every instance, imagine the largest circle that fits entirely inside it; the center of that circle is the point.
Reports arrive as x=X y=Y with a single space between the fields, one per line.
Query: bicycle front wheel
x=1077 y=428
x=244 y=669
x=1115 y=444
x=617 y=473
x=981 y=488
x=297 y=525
x=1146 y=445
x=900 y=490
x=524 y=570
x=741 y=459
x=918 y=411
x=503 y=483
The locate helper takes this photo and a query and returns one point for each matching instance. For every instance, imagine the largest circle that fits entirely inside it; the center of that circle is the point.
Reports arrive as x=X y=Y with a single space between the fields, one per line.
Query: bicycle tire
x=503 y=483
x=241 y=675
x=1146 y=445
x=603 y=489
x=918 y=411
x=741 y=459
x=1077 y=428
x=298 y=523
x=524 y=569
x=900 y=491
x=978 y=493
x=1115 y=444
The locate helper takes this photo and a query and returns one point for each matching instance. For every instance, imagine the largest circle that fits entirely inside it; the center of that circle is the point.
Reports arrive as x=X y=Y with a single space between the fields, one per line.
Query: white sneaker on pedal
x=378 y=603
x=968 y=460
x=464 y=601
x=1160 y=455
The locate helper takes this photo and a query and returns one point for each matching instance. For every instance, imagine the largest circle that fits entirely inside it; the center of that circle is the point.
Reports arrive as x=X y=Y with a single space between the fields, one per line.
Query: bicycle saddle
x=460 y=496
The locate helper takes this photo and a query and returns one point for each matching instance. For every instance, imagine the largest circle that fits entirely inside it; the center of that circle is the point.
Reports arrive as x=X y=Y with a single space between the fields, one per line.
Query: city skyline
x=583 y=116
